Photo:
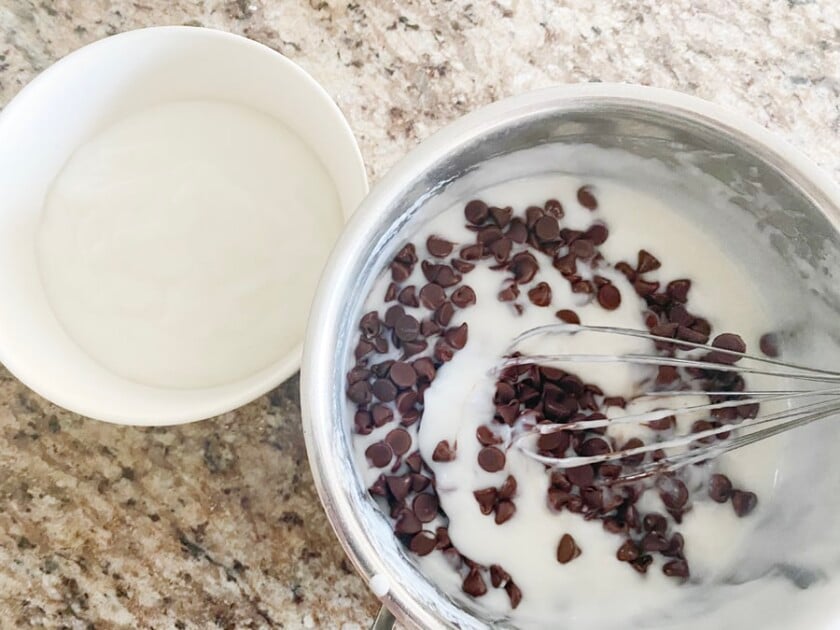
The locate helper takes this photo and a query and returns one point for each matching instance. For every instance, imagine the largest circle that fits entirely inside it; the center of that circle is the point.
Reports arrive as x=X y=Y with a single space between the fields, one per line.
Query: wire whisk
x=799 y=395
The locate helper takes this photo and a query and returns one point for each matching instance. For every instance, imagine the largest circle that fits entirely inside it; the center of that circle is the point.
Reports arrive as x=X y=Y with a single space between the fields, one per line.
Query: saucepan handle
x=384 y=620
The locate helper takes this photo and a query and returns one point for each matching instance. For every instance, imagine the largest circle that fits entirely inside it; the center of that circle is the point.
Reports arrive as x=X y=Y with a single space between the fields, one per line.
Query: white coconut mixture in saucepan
x=760 y=555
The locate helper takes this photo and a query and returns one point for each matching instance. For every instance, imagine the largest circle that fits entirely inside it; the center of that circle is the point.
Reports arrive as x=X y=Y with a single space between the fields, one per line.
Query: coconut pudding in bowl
x=604 y=206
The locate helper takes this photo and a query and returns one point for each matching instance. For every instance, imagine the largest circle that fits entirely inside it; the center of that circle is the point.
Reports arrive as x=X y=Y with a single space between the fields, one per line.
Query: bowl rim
x=258 y=383
x=326 y=315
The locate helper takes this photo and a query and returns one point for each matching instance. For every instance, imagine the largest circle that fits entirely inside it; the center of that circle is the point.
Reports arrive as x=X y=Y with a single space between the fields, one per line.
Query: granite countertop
x=217 y=524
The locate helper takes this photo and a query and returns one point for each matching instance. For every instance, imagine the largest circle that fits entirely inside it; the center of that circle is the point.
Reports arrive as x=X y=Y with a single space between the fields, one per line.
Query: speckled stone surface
x=217 y=524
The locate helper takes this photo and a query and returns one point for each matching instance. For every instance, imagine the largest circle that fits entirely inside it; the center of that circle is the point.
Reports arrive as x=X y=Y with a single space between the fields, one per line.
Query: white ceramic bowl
x=73 y=100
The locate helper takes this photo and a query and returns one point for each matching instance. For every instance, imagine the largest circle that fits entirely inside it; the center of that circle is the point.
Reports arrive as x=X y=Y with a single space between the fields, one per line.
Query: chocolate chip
x=380 y=344
x=410 y=348
x=504 y=512
x=594 y=446
x=357 y=374
x=597 y=233
x=439 y=247
x=488 y=235
x=423 y=543
x=675 y=546
x=498 y=575
x=402 y=374
x=614 y=526
x=592 y=497
x=583 y=286
x=644 y=288
x=628 y=552
x=559 y=480
x=359 y=392
x=407 y=523
x=673 y=492
x=432 y=296
x=378 y=487
x=393 y=314
x=407 y=255
x=457 y=337
x=407 y=328
x=463 y=296
x=654 y=522
x=474 y=584
x=676 y=568
x=642 y=563
x=445 y=276
x=555 y=441
x=662 y=424
x=609 y=471
x=654 y=541
x=554 y=208
x=406 y=401
x=524 y=267
x=566 y=265
x=586 y=198
x=568 y=316
x=517 y=231
x=486 y=499
x=486 y=437
x=419 y=482
x=443 y=452
x=677 y=290
x=425 y=506
x=408 y=296
x=726 y=341
x=379 y=454
x=442 y=535
x=391 y=292
x=627 y=270
x=476 y=212
x=509 y=293
x=400 y=272
x=647 y=262
x=582 y=248
x=609 y=297
x=443 y=351
x=769 y=344
x=491 y=459
x=472 y=252
x=501 y=249
x=462 y=265
x=615 y=401
x=501 y=216
x=384 y=390
x=582 y=476
x=532 y=215
x=399 y=440
x=414 y=461
x=720 y=488
x=567 y=550
x=632 y=443
x=702 y=326
x=546 y=229
x=508 y=489
x=514 y=594
x=425 y=369
x=443 y=315
x=540 y=294
x=399 y=486
x=382 y=415
x=370 y=324
x=743 y=502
